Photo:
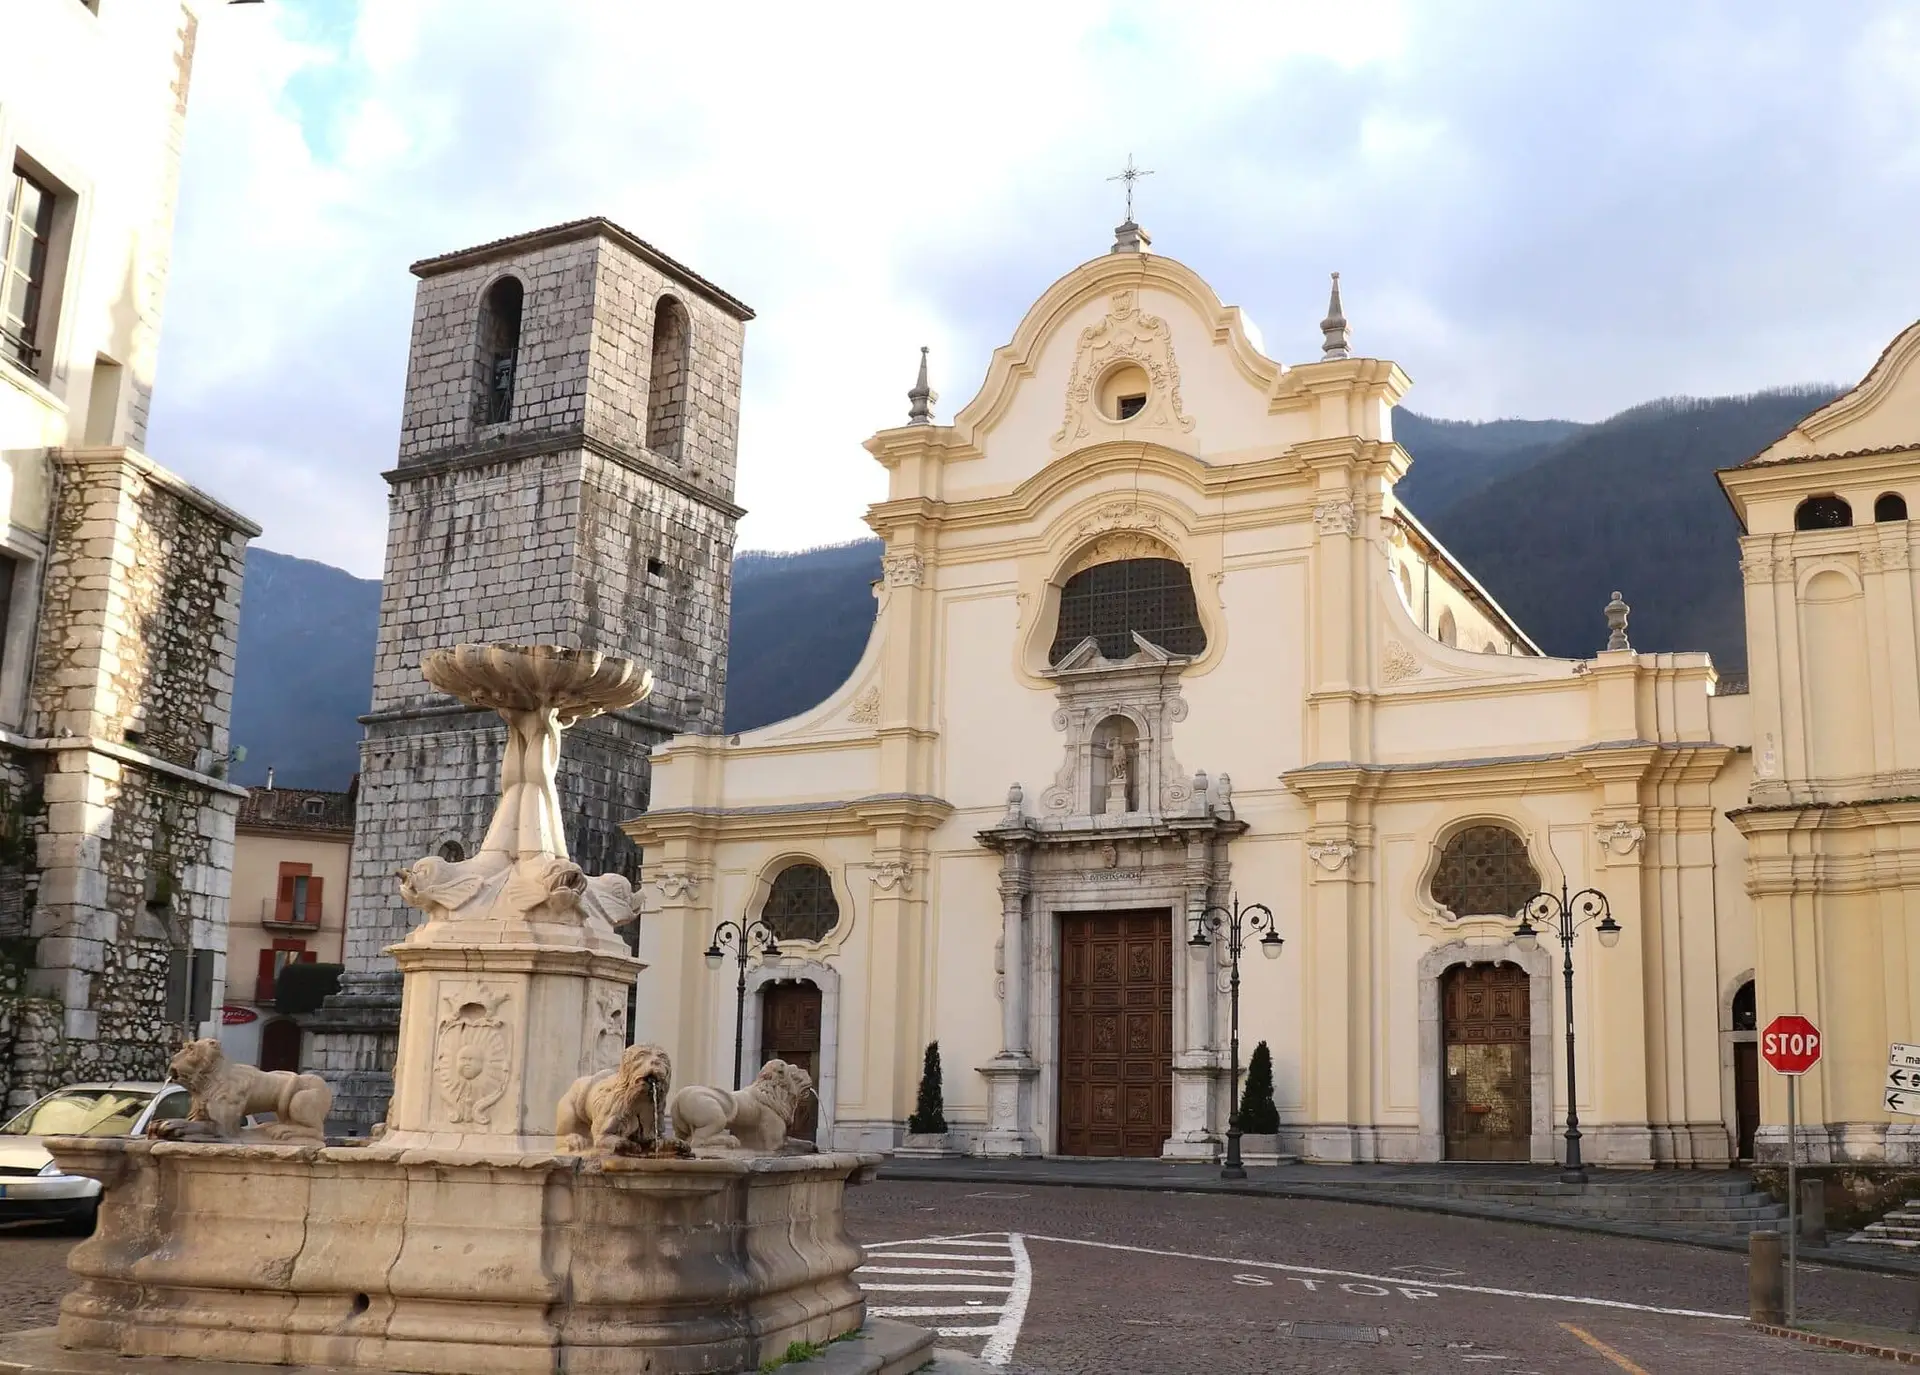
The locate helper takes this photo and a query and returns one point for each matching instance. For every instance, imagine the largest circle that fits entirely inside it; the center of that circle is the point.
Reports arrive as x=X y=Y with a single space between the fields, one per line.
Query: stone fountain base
x=459 y=1264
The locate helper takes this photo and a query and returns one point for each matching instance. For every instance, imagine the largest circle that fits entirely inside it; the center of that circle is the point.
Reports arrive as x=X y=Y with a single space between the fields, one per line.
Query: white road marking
x=941 y=1288
x=999 y=1347
x=1009 y=1298
x=1489 y=1290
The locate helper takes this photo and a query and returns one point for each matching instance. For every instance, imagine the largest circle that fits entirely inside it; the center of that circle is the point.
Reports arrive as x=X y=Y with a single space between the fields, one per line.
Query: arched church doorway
x=280 y=1044
x=1743 y=1033
x=1116 y=1032
x=790 y=1031
x=1487 y=1092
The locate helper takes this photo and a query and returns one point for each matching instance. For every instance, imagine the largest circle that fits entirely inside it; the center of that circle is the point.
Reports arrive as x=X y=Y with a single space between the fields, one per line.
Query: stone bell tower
x=565 y=477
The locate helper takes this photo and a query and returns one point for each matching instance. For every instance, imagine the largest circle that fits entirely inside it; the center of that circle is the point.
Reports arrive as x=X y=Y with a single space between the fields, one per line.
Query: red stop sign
x=1790 y=1044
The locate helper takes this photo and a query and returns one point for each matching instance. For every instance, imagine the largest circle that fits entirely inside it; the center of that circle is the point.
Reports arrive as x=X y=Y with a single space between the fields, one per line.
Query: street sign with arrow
x=1903 y=1079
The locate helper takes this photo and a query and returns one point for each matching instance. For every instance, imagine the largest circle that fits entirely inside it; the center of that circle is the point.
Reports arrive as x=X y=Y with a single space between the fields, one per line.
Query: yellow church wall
x=1357 y=742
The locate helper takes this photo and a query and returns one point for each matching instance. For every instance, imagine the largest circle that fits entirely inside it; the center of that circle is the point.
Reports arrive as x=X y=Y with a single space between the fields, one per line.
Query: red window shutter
x=283 y=904
x=263 y=982
x=313 y=901
x=309 y=957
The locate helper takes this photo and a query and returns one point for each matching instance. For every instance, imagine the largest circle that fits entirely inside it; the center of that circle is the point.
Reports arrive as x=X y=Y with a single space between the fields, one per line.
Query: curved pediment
x=1143 y=316
x=1882 y=412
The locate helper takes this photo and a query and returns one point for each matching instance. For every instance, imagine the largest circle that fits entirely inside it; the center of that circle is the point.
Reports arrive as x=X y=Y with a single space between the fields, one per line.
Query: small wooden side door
x=790 y=1031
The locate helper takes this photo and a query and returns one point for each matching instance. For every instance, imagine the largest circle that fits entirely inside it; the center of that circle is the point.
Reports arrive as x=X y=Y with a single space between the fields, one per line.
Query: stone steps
x=1899 y=1228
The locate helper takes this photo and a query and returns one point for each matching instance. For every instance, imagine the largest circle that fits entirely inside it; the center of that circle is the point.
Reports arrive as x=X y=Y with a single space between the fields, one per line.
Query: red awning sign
x=1790 y=1044
x=235 y=1015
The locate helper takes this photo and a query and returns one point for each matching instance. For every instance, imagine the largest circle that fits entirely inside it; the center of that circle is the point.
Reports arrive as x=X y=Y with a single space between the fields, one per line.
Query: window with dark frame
x=801 y=905
x=1130 y=406
x=1889 y=506
x=1484 y=871
x=499 y=348
x=1109 y=602
x=25 y=237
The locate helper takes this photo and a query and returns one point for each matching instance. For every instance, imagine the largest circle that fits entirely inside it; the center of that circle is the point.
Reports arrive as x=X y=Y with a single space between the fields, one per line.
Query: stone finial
x=1223 y=795
x=1201 y=801
x=1617 y=624
x=1336 y=338
x=1016 y=804
x=1129 y=237
x=920 y=400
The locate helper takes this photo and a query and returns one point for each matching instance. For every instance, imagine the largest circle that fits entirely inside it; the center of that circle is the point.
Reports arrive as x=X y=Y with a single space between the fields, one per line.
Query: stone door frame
x=1431 y=1143
x=1044 y=973
x=1729 y=1087
x=827 y=979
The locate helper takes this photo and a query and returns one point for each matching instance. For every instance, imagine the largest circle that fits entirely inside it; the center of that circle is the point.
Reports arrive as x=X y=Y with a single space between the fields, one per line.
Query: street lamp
x=1563 y=916
x=1236 y=923
x=754 y=938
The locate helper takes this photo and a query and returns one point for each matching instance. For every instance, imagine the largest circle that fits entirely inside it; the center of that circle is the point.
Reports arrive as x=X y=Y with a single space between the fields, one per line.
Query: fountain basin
x=457 y=1262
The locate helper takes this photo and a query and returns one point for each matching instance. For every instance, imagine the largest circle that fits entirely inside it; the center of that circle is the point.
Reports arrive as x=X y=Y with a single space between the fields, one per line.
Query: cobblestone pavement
x=33 y=1273
x=1164 y=1284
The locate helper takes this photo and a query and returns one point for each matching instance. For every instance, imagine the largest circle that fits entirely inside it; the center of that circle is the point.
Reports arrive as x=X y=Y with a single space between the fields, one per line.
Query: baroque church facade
x=1155 y=635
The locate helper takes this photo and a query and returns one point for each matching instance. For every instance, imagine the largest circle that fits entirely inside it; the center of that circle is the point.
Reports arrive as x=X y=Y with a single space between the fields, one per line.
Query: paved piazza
x=1055 y=1281
x=1131 y=1283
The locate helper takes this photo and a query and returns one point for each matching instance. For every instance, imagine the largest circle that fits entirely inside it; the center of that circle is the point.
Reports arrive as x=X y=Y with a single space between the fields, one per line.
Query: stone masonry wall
x=131 y=697
x=629 y=290
x=442 y=407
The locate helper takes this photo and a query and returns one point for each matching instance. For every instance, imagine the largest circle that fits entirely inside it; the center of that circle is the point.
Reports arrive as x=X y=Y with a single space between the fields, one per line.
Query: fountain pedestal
x=460 y=1242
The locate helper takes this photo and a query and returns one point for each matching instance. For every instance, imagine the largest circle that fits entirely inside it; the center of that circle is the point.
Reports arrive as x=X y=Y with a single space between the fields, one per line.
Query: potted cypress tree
x=927 y=1130
x=1259 y=1117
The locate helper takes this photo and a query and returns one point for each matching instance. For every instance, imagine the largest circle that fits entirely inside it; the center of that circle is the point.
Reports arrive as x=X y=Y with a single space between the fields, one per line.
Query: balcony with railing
x=298 y=918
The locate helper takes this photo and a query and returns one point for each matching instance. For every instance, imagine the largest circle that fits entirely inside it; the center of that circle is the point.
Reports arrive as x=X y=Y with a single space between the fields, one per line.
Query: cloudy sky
x=1537 y=209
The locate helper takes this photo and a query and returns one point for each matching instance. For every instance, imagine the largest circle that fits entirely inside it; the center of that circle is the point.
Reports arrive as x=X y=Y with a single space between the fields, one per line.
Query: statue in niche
x=1117 y=777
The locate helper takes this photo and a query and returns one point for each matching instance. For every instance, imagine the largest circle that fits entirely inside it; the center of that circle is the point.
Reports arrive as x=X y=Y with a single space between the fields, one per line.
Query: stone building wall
x=557 y=525
x=131 y=694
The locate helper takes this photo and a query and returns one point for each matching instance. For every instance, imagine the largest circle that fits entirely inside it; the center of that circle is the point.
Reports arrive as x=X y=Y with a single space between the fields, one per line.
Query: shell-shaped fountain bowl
x=574 y=683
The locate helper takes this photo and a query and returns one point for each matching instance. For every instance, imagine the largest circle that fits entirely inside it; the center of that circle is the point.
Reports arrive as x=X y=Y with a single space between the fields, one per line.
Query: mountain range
x=1552 y=516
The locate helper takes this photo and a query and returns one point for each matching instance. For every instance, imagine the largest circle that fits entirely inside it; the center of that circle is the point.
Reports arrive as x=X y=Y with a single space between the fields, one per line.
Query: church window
x=1484 y=872
x=1890 y=506
x=1123 y=391
x=1448 y=633
x=801 y=905
x=1745 y=1015
x=499 y=349
x=452 y=851
x=26 y=236
x=1823 y=513
x=1110 y=602
x=667 y=379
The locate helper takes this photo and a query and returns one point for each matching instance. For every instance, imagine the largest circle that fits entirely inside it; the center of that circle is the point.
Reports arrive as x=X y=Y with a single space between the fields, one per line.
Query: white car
x=31 y=1184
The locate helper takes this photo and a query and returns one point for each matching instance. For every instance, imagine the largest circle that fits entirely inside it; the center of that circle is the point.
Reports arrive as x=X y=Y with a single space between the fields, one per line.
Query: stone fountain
x=464 y=1240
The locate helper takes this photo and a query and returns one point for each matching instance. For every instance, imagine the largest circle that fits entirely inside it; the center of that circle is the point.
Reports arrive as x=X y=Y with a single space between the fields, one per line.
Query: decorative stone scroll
x=1336 y=517
x=1331 y=855
x=865 y=710
x=906 y=568
x=891 y=874
x=1620 y=838
x=1128 y=334
x=1397 y=663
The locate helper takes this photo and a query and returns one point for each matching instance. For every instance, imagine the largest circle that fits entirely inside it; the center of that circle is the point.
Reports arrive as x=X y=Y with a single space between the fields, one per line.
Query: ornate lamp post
x=1236 y=923
x=754 y=938
x=1563 y=916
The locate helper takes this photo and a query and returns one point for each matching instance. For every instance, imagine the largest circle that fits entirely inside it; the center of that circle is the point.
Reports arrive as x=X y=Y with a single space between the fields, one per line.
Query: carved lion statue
x=755 y=1118
x=619 y=1111
x=225 y=1093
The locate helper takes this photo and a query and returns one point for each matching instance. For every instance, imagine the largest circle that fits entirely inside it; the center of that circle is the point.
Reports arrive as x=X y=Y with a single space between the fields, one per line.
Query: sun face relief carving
x=472 y=1062
x=1128 y=336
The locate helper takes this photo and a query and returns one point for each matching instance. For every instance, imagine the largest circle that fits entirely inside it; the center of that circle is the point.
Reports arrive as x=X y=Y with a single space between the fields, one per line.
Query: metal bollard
x=1766 y=1279
x=1813 y=1212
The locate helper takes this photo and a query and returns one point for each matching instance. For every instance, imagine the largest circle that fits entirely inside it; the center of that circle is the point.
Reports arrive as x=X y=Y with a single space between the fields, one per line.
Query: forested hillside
x=1552 y=516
